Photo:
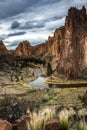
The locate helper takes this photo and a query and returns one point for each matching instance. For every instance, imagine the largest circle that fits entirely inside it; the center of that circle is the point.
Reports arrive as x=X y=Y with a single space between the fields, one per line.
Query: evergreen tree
x=49 y=69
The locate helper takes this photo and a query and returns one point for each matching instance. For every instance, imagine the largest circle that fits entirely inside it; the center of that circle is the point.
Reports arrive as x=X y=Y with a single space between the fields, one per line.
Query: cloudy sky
x=32 y=20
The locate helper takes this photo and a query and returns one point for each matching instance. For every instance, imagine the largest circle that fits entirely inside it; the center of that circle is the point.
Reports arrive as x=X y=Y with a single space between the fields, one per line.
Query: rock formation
x=23 y=123
x=66 y=50
x=3 y=49
x=50 y=48
x=73 y=57
x=5 y=125
x=24 y=49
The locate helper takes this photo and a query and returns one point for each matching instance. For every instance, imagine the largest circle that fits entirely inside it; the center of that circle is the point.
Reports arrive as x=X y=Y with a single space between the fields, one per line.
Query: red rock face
x=50 y=48
x=74 y=55
x=3 y=49
x=23 y=49
x=55 y=42
x=39 y=50
x=5 y=125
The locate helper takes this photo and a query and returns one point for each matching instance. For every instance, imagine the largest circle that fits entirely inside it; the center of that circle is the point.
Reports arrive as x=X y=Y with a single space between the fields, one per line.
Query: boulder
x=5 y=125
x=22 y=124
x=53 y=125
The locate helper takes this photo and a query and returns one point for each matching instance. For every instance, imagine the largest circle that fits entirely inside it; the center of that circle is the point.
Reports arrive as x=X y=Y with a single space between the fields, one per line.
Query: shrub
x=11 y=108
x=65 y=125
x=84 y=73
x=83 y=98
x=49 y=69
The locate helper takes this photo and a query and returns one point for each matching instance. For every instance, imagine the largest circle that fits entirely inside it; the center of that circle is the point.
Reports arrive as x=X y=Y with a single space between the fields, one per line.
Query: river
x=39 y=81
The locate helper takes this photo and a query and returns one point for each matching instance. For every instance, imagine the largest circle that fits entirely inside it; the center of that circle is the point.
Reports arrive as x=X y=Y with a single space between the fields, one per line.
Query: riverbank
x=65 y=96
x=12 y=85
x=42 y=97
x=66 y=83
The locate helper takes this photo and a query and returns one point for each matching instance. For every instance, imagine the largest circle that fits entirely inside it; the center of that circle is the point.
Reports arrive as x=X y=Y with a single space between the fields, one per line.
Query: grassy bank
x=66 y=83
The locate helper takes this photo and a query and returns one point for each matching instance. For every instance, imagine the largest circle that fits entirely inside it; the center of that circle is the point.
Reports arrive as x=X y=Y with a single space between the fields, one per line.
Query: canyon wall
x=66 y=50
x=73 y=57
x=49 y=48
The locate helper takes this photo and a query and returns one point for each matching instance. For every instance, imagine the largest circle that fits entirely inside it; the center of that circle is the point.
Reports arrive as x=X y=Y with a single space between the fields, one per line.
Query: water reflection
x=39 y=82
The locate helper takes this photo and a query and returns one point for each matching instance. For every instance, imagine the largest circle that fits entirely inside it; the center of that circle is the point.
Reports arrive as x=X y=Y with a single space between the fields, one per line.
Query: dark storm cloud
x=56 y=18
x=12 y=45
x=10 y=8
x=31 y=25
x=15 y=24
x=16 y=34
x=33 y=20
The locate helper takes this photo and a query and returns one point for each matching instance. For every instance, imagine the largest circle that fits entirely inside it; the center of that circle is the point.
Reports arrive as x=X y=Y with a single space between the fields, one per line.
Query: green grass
x=65 y=125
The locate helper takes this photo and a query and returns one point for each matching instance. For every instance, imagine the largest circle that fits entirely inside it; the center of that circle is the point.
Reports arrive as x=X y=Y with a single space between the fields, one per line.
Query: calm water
x=40 y=81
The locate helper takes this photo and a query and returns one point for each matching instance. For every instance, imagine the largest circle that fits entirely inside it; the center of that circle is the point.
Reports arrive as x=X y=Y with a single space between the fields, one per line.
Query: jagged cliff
x=73 y=57
x=50 y=48
x=3 y=49
x=66 y=50
x=23 y=49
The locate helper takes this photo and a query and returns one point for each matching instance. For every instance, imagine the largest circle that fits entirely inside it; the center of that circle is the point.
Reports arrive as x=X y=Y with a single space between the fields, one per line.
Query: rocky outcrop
x=53 y=125
x=50 y=48
x=5 y=125
x=23 y=123
x=55 y=43
x=3 y=49
x=73 y=57
x=24 y=49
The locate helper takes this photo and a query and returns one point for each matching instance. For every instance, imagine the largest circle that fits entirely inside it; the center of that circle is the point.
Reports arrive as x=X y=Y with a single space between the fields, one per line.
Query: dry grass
x=52 y=80
x=82 y=125
x=38 y=120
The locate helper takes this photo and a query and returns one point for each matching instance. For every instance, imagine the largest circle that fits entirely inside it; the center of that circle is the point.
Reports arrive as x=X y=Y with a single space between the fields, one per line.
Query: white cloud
x=33 y=38
x=55 y=24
